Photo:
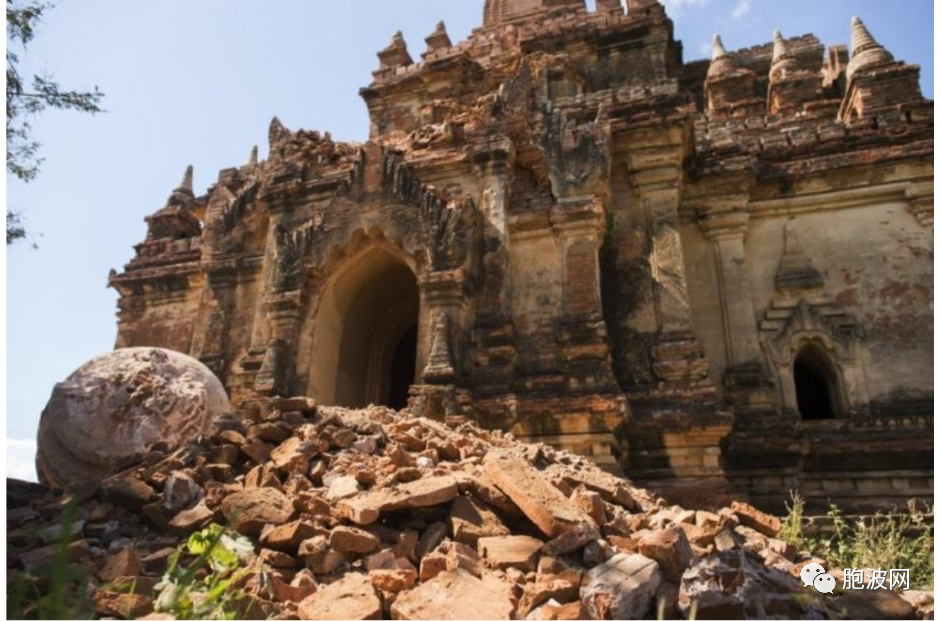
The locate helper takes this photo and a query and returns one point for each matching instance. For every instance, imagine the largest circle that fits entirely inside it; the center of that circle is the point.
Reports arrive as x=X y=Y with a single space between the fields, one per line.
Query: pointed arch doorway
x=366 y=333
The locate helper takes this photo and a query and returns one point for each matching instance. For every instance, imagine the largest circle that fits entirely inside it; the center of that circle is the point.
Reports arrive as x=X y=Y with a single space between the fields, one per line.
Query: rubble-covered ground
x=369 y=514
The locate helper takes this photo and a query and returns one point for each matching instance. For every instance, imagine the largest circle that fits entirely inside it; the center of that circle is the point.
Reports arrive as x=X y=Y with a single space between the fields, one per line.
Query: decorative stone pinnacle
x=186 y=184
x=718 y=50
x=860 y=37
x=722 y=62
x=253 y=157
x=396 y=54
x=779 y=48
x=865 y=51
x=275 y=130
x=439 y=38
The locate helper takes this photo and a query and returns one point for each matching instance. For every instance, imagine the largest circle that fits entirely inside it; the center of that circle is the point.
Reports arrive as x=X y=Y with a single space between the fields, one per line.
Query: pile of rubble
x=369 y=514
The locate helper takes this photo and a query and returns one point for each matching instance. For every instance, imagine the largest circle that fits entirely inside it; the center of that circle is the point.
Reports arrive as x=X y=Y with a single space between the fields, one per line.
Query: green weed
x=186 y=593
x=898 y=539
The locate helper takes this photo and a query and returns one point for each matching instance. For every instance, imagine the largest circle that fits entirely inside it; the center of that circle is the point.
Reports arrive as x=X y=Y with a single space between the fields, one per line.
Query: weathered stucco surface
x=560 y=228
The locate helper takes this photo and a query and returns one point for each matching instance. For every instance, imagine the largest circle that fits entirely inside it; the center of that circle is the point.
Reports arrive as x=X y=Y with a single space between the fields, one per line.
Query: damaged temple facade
x=716 y=275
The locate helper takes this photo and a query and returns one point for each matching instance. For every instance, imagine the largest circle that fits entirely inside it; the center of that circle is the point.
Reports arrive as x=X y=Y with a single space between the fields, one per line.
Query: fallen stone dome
x=120 y=405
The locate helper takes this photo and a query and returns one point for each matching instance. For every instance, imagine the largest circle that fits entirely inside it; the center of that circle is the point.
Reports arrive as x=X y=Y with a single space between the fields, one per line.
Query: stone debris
x=621 y=588
x=483 y=527
x=351 y=597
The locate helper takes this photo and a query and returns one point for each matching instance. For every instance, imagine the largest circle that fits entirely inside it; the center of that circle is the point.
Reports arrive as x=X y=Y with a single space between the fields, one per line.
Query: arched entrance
x=815 y=385
x=366 y=333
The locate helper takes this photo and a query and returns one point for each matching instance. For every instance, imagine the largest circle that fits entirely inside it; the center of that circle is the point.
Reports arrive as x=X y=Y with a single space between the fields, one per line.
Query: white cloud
x=21 y=459
x=677 y=7
x=742 y=7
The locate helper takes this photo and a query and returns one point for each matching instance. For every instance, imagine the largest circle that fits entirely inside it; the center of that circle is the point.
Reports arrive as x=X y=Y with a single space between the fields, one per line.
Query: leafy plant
x=186 y=593
x=27 y=97
x=898 y=539
x=56 y=590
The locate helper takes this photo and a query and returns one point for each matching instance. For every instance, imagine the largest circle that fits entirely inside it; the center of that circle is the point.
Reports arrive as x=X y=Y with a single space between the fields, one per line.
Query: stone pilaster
x=283 y=301
x=578 y=224
x=724 y=221
x=214 y=317
x=678 y=358
x=284 y=314
x=493 y=351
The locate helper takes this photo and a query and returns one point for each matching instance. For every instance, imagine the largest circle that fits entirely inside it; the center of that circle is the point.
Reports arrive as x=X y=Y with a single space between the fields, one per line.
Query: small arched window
x=816 y=385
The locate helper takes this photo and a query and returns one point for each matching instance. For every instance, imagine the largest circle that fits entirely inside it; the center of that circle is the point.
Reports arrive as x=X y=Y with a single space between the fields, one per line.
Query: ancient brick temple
x=717 y=273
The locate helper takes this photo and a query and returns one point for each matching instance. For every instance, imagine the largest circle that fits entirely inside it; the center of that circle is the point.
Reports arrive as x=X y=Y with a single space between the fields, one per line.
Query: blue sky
x=197 y=82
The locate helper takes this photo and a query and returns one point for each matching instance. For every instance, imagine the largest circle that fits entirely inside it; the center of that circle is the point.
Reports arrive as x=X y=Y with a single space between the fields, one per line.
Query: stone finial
x=782 y=59
x=275 y=130
x=779 y=48
x=860 y=37
x=722 y=62
x=719 y=50
x=439 y=39
x=864 y=49
x=253 y=157
x=396 y=54
x=186 y=184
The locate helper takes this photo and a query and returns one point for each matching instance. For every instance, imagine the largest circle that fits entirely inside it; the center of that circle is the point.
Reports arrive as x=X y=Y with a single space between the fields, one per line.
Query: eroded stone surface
x=113 y=409
x=621 y=588
x=545 y=505
x=250 y=511
x=351 y=597
x=455 y=595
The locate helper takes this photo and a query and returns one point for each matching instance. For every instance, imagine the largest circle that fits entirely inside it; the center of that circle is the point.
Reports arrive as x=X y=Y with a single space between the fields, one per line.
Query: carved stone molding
x=791 y=325
x=921 y=197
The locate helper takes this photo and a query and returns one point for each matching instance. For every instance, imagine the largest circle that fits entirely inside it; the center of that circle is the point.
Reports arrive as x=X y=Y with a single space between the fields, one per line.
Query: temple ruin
x=714 y=274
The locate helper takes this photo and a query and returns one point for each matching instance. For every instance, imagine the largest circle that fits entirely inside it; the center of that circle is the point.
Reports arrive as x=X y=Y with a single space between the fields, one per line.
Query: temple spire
x=722 y=62
x=186 y=184
x=500 y=12
x=253 y=157
x=439 y=39
x=779 y=48
x=861 y=39
x=396 y=54
x=864 y=49
x=719 y=50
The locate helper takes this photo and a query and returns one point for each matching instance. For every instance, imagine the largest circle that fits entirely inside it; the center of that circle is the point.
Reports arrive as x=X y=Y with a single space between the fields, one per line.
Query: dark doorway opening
x=813 y=387
x=402 y=371
x=374 y=306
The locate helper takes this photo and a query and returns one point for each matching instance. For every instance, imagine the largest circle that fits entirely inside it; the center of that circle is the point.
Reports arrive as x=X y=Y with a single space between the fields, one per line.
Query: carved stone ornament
x=440 y=368
x=577 y=156
x=292 y=245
